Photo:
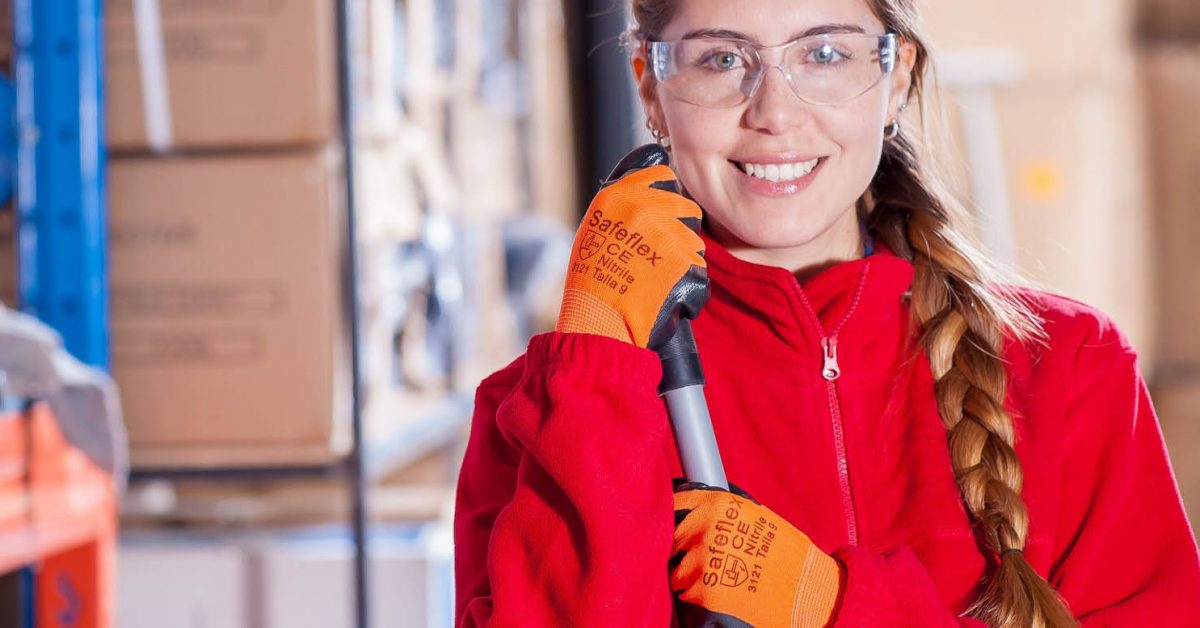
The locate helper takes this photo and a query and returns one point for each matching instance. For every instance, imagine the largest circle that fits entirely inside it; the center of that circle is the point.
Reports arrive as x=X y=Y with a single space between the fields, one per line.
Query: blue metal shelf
x=60 y=171
x=55 y=106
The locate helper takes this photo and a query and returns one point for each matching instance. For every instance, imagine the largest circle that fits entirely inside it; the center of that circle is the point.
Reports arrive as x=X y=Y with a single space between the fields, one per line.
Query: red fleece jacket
x=564 y=501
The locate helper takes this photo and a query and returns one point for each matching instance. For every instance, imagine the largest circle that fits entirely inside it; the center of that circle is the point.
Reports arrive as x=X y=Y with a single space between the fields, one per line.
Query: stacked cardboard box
x=8 y=258
x=228 y=339
x=1171 y=56
x=1099 y=143
x=237 y=74
x=1160 y=20
x=201 y=582
x=227 y=239
x=1173 y=97
x=226 y=233
x=281 y=578
x=1069 y=144
x=226 y=199
x=1178 y=407
x=1053 y=39
x=228 y=249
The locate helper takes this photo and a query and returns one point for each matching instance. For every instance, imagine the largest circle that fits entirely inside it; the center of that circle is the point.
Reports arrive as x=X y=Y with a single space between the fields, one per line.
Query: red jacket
x=564 y=501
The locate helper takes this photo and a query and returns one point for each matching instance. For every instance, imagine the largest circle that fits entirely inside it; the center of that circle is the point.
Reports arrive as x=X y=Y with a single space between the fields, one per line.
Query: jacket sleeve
x=1127 y=553
x=1125 y=556
x=563 y=472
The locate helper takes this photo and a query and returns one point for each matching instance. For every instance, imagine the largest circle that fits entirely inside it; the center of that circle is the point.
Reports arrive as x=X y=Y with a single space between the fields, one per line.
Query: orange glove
x=637 y=264
x=736 y=563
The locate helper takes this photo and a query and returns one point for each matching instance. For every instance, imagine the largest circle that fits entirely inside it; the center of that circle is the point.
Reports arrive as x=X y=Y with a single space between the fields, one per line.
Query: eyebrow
x=723 y=33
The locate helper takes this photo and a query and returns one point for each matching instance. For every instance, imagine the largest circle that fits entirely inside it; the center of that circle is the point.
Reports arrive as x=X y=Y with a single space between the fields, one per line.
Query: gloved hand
x=637 y=264
x=736 y=563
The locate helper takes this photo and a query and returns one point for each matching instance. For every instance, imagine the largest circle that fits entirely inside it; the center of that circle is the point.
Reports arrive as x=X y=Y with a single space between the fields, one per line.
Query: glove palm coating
x=637 y=264
x=736 y=563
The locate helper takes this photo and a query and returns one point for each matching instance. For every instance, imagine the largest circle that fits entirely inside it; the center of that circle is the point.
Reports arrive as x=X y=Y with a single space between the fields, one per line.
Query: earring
x=891 y=131
x=663 y=139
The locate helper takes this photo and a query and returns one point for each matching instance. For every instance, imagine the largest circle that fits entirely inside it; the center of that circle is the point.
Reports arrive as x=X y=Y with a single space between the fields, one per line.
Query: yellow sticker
x=1041 y=181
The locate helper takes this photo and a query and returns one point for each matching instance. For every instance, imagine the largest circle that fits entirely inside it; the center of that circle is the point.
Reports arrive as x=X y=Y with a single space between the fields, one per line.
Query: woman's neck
x=842 y=242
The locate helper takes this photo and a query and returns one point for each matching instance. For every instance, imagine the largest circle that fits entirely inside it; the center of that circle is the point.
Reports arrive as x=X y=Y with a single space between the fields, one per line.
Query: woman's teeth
x=780 y=172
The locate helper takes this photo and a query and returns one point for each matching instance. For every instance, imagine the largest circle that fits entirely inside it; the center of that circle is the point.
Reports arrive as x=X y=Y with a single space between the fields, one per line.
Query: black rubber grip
x=680 y=360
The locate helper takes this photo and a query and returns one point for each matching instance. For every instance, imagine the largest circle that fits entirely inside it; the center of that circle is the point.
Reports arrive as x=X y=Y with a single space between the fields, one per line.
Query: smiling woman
x=760 y=122
x=926 y=443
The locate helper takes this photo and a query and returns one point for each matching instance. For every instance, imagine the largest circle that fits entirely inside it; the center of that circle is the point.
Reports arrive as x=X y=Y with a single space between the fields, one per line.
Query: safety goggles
x=824 y=69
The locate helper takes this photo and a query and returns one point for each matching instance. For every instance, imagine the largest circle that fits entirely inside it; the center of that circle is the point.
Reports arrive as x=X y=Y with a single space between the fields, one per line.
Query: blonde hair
x=965 y=317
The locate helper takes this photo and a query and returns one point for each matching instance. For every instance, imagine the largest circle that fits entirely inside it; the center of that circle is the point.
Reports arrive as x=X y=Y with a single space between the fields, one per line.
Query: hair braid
x=965 y=319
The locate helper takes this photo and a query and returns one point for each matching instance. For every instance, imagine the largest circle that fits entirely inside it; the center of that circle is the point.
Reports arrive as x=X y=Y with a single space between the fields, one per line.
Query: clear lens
x=822 y=70
x=706 y=72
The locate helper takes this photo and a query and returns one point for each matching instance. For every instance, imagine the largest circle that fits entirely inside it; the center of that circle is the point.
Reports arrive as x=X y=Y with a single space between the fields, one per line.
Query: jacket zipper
x=830 y=372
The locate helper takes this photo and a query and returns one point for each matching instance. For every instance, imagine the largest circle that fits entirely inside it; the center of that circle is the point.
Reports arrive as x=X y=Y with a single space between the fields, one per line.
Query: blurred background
x=279 y=242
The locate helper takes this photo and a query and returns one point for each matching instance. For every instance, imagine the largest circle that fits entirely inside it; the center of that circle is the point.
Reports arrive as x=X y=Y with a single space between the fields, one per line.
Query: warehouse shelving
x=61 y=531
x=63 y=520
x=59 y=188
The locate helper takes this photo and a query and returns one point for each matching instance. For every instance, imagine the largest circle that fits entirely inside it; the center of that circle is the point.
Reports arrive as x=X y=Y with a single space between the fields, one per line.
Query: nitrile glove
x=735 y=563
x=637 y=263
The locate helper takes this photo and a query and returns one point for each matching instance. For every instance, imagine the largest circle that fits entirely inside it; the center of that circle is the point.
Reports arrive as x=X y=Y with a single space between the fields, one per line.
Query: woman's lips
x=765 y=187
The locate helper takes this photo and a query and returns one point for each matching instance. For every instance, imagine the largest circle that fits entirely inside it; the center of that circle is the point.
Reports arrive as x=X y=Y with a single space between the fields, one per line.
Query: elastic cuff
x=638 y=369
x=865 y=591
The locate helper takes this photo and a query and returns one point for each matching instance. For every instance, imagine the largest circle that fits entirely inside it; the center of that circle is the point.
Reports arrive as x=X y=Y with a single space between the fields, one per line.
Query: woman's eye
x=724 y=60
x=827 y=54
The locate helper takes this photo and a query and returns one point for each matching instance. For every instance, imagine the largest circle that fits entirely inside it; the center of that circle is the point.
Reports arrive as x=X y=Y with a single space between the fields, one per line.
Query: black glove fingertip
x=671 y=186
x=641 y=157
x=692 y=223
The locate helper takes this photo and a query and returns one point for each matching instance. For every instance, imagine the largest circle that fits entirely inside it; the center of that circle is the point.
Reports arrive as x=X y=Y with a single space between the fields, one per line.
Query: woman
x=927 y=447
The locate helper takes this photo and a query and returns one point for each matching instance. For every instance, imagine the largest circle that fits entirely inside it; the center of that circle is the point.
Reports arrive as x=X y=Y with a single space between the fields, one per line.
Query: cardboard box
x=377 y=88
x=389 y=209
x=1075 y=156
x=1173 y=98
x=308 y=582
x=1049 y=38
x=238 y=73
x=490 y=163
x=244 y=73
x=1176 y=20
x=226 y=308
x=8 y=257
x=553 y=171
x=1178 y=406
x=1072 y=155
x=198 y=584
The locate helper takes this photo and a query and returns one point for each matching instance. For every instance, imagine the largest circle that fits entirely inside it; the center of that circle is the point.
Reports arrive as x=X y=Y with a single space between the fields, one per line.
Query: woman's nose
x=774 y=108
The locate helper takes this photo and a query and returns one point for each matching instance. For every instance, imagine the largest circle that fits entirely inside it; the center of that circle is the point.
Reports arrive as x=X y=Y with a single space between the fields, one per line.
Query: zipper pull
x=830 y=370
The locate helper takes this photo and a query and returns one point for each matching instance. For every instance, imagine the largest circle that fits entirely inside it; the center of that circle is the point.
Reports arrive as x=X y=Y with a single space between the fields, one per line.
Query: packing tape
x=156 y=102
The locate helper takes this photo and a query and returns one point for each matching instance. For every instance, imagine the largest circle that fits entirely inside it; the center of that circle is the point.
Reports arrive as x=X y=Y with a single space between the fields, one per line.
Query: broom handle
x=683 y=388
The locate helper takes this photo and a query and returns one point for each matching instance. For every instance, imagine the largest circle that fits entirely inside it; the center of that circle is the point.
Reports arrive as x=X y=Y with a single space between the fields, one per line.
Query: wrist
x=582 y=313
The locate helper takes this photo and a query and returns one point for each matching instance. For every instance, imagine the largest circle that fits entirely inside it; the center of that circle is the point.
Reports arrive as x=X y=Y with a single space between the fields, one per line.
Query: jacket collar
x=845 y=298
